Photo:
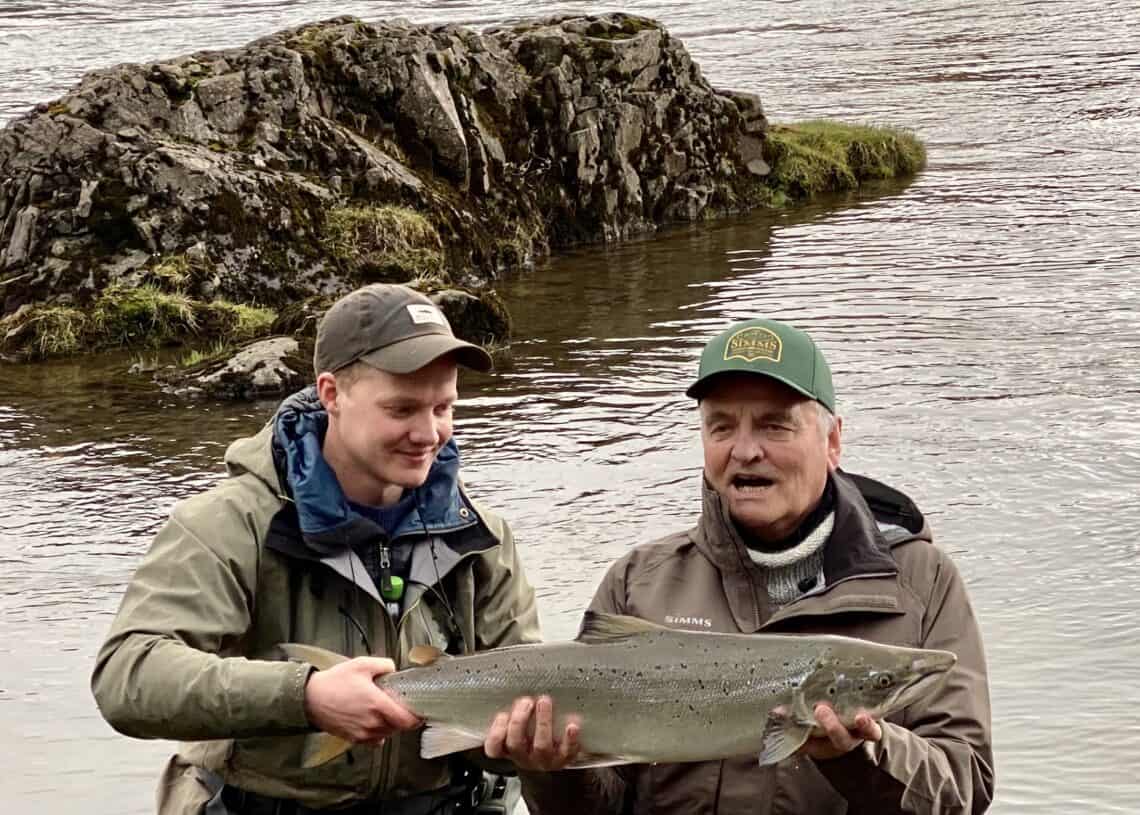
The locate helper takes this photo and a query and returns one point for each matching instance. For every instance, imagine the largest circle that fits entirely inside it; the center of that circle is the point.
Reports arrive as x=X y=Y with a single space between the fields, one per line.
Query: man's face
x=387 y=428
x=766 y=453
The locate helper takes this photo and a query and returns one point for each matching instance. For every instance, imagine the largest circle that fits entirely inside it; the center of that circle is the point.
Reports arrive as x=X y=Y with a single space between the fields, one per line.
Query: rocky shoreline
x=225 y=196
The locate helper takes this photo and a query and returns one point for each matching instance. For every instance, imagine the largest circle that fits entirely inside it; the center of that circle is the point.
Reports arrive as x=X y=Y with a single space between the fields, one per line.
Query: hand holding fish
x=837 y=740
x=345 y=702
x=510 y=737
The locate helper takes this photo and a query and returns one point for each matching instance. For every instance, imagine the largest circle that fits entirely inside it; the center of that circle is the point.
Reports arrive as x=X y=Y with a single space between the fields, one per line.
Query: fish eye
x=884 y=680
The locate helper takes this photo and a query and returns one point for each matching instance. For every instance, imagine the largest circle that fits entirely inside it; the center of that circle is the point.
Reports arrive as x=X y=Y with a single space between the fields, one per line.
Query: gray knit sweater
x=795 y=571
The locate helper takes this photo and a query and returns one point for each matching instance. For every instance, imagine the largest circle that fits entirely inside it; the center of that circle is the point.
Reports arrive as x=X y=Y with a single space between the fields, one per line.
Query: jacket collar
x=326 y=521
x=860 y=574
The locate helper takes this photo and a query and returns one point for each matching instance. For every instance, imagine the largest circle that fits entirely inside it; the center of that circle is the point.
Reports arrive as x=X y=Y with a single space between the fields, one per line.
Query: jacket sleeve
x=169 y=667
x=505 y=608
x=600 y=791
x=939 y=761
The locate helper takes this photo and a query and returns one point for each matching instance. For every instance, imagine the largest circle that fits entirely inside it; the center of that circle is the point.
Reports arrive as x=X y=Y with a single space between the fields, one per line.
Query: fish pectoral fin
x=587 y=760
x=317 y=657
x=440 y=740
x=598 y=627
x=321 y=748
x=783 y=735
x=423 y=655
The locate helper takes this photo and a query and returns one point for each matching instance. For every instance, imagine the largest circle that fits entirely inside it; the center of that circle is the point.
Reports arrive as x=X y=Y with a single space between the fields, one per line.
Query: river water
x=982 y=324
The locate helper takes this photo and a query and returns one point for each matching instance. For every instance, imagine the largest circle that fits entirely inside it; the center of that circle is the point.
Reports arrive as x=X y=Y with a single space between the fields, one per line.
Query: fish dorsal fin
x=424 y=655
x=598 y=627
x=319 y=658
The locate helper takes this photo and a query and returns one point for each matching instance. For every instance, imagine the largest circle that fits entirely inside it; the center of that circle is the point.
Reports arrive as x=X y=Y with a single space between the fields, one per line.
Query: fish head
x=854 y=675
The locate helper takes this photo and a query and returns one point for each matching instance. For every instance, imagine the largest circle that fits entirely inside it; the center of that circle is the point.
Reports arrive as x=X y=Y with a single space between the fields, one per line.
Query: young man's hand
x=345 y=702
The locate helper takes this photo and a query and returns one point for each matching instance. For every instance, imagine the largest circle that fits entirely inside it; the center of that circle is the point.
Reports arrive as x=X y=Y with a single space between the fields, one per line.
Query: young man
x=342 y=524
x=788 y=543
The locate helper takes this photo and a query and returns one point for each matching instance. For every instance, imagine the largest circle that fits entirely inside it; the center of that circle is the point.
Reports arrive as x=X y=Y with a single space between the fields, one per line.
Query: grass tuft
x=813 y=157
x=130 y=317
x=383 y=243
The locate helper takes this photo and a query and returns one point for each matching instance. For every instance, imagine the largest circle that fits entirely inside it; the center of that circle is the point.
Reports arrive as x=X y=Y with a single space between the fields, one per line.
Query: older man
x=788 y=543
x=342 y=524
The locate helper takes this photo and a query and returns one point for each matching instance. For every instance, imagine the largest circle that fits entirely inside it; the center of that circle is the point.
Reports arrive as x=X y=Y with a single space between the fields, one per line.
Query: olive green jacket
x=192 y=654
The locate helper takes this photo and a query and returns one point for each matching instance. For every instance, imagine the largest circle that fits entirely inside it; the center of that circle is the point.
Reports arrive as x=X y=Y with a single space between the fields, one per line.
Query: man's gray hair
x=827 y=419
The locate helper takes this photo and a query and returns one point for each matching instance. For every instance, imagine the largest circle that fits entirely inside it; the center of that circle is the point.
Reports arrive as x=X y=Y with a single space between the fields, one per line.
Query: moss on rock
x=383 y=243
x=820 y=156
x=122 y=316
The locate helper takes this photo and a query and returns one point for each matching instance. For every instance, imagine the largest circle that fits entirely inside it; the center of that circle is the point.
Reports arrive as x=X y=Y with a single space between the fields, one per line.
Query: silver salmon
x=643 y=693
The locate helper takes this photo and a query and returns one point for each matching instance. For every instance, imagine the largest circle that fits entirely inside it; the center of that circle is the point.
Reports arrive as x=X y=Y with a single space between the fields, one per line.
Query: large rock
x=261 y=369
x=508 y=142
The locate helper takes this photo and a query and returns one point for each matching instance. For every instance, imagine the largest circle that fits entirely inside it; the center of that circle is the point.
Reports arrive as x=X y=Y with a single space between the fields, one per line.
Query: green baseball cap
x=392 y=328
x=767 y=348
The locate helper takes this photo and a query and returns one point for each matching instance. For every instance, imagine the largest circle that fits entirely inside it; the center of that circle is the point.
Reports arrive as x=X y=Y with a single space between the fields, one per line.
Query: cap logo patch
x=751 y=344
x=426 y=314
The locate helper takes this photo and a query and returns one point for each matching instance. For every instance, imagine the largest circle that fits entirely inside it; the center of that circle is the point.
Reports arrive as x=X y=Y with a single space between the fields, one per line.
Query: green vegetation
x=383 y=243
x=172 y=273
x=202 y=356
x=143 y=315
x=819 y=156
x=43 y=331
x=242 y=322
x=125 y=316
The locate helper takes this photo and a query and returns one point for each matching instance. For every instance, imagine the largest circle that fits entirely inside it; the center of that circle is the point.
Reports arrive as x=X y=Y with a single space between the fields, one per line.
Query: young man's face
x=766 y=452
x=385 y=429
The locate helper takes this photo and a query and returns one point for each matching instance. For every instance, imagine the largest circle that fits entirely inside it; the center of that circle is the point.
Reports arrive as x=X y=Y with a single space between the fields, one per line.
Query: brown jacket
x=885 y=581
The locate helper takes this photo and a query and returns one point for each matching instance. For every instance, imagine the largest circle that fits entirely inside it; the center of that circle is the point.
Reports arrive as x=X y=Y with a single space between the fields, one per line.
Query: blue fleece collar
x=324 y=513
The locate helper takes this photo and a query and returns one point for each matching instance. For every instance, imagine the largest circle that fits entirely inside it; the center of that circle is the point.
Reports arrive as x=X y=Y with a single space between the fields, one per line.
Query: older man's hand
x=526 y=737
x=837 y=740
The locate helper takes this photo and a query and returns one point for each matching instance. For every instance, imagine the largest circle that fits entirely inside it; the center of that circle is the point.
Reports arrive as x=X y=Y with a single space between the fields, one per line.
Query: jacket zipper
x=382 y=780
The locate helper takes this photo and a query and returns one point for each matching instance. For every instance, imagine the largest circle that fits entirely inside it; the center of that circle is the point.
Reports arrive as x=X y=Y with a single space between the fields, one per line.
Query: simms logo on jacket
x=695 y=622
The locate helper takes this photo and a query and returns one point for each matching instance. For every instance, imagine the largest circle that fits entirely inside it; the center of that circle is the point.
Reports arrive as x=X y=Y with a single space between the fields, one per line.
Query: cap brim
x=699 y=389
x=410 y=355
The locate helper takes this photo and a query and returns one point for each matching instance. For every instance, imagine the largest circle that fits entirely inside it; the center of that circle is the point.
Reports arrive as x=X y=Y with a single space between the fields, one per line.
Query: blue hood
x=325 y=517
